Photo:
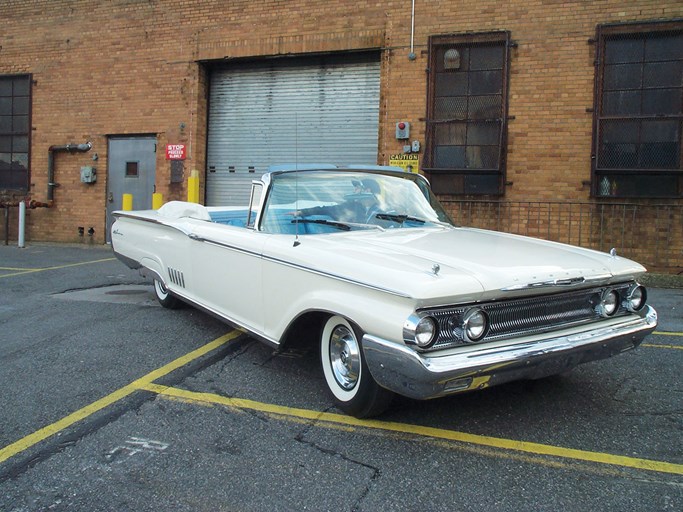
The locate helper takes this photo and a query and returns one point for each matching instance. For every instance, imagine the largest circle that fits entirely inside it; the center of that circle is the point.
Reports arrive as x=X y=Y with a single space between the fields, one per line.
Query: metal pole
x=22 y=224
x=6 y=225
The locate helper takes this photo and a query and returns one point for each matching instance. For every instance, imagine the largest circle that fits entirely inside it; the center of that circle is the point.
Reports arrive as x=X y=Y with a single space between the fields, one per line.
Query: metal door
x=131 y=169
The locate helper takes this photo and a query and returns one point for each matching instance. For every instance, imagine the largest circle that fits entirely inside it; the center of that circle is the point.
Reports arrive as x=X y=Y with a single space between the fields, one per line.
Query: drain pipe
x=68 y=148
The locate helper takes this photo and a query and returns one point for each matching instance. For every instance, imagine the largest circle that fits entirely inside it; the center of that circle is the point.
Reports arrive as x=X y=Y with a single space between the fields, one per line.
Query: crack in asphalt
x=376 y=472
x=62 y=440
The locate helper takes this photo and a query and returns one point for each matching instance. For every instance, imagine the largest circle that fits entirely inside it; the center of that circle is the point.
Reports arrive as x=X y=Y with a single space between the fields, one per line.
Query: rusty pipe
x=32 y=204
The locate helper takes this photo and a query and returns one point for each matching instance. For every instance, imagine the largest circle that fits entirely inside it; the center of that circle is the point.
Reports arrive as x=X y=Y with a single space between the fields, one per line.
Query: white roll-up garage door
x=286 y=111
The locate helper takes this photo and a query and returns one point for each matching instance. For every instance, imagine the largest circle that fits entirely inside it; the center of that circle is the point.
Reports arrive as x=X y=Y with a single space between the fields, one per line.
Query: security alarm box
x=402 y=130
x=88 y=174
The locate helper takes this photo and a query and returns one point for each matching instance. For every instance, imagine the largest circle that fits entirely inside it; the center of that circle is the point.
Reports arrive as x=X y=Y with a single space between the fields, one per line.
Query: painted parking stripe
x=405 y=428
x=50 y=430
x=662 y=345
x=146 y=383
x=20 y=271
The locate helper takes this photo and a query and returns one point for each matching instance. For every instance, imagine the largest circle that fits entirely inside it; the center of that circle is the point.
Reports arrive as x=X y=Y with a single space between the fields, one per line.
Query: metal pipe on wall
x=70 y=148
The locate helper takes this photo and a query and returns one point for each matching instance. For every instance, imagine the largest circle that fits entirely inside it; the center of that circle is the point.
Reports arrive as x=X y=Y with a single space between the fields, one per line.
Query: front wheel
x=164 y=296
x=346 y=374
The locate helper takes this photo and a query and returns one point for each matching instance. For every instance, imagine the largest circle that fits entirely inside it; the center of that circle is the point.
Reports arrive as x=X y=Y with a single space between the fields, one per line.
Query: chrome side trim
x=418 y=375
x=301 y=267
x=160 y=222
x=198 y=238
x=338 y=277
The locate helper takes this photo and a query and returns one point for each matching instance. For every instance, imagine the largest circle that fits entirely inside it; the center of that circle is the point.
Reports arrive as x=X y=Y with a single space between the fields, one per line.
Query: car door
x=227 y=271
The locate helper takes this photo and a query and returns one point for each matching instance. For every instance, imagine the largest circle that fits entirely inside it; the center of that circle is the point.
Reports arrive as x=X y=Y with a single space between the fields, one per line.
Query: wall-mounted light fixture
x=451 y=60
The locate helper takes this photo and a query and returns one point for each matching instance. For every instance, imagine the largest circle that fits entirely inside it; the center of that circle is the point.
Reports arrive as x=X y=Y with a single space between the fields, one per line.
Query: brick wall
x=130 y=67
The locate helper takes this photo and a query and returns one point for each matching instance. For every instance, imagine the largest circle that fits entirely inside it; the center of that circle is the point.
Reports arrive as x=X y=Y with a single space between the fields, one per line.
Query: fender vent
x=176 y=277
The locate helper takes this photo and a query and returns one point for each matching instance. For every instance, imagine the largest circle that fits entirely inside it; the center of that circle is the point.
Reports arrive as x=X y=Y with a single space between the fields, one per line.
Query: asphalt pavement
x=112 y=403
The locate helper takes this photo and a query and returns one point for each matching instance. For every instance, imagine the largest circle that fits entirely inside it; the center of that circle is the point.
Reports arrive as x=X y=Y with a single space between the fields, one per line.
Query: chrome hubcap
x=345 y=357
x=161 y=289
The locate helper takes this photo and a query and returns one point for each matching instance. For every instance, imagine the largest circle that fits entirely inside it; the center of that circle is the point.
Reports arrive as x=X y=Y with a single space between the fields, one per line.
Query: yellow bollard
x=127 y=202
x=193 y=187
x=157 y=200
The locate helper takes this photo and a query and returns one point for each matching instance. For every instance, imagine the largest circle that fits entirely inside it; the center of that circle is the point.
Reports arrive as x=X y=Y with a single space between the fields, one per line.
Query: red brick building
x=558 y=119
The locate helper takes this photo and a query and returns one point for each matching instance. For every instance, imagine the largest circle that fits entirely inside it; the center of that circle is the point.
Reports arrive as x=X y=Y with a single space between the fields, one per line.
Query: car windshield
x=308 y=202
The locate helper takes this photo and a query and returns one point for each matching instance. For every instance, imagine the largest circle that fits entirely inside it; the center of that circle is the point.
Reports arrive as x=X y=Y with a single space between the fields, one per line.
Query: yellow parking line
x=665 y=333
x=473 y=439
x=32 y=270
x=52 y=429
x=146 y=383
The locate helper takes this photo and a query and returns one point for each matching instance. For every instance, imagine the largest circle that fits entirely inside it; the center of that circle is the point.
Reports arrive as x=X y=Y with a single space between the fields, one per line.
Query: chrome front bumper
x=429 y=375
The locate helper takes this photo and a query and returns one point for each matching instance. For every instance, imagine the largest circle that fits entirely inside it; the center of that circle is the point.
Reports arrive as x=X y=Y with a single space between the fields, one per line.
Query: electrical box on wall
x=88 y=174
x=402 y=130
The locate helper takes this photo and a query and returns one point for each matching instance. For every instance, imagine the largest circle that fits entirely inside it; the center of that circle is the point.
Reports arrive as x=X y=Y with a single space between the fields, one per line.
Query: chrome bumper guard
x=410 y=373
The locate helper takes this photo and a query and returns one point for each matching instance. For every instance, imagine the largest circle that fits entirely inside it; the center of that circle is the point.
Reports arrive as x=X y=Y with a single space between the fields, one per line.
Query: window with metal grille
x=467 y=113
x=15 y=130
x=15 y=104
x=638 y=117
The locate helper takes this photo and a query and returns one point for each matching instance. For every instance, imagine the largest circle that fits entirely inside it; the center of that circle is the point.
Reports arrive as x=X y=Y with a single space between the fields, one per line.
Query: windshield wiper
x=399 y=218
x=325 y=222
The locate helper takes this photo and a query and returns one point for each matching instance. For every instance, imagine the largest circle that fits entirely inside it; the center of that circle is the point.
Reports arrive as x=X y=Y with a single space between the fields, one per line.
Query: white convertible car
x=364 y=262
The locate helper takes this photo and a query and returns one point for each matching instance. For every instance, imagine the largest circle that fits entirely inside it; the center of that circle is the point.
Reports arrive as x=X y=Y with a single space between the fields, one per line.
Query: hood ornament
x=613 y=252
x=436 y=268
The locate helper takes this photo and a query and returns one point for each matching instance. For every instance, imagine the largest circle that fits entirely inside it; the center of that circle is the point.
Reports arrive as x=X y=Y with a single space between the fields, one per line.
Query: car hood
x=434 y=265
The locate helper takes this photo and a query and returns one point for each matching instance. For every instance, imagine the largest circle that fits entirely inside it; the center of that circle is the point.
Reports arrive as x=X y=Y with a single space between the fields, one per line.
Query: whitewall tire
x=164 y=296
x=346 y=374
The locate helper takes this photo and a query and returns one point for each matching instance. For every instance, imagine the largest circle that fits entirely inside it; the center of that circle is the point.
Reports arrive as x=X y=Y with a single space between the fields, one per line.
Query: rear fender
x=154 y=269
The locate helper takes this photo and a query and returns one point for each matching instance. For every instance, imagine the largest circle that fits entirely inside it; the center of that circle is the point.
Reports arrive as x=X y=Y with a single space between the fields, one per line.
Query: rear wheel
x=346 y=374
x=164 y=296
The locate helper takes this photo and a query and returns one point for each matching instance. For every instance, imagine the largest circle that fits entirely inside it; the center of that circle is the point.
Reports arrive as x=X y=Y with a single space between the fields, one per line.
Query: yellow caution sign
x=407 y=161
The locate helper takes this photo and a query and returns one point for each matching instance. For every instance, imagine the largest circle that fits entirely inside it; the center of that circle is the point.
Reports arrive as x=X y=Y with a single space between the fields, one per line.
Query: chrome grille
x=532 y=315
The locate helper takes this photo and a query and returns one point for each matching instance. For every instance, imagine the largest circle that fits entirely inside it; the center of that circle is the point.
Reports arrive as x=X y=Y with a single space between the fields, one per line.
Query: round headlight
x=425 y=332
x=475 y=324
x=636 y=298
x=609 y=303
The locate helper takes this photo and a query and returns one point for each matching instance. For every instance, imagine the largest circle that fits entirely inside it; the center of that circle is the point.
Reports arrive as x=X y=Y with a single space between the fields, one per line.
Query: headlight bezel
x=628 y=301
x=470 y=316
x=413 y=327
x=431 y=329
x=609 y=303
